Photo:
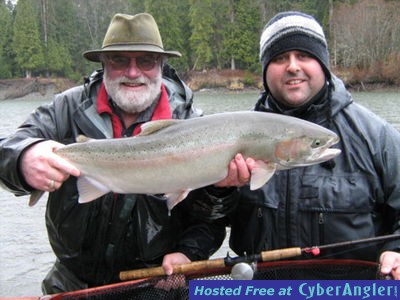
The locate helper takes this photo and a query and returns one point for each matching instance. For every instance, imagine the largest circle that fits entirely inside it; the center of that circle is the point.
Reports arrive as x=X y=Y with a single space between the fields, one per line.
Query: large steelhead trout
x=173 y=157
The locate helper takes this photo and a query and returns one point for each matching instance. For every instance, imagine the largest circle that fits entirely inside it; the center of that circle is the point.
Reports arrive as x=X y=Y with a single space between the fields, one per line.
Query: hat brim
x=94 y=55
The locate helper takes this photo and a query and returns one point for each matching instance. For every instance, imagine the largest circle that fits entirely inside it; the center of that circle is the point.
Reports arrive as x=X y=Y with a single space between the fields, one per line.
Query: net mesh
x=177 y=286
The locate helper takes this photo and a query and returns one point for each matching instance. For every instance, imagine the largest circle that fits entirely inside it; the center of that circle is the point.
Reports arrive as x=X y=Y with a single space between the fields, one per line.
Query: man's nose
x=132 y=69
x=293 y=64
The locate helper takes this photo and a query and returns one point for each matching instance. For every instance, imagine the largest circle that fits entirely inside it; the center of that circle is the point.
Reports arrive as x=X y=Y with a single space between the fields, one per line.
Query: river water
x=25 y=254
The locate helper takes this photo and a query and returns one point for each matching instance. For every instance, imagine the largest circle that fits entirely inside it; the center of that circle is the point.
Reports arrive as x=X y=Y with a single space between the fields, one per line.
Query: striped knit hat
x=293 y=30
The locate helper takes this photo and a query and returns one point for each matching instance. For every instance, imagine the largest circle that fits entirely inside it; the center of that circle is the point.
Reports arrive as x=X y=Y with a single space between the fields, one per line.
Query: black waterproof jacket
x=93 y=242
x=356 y=195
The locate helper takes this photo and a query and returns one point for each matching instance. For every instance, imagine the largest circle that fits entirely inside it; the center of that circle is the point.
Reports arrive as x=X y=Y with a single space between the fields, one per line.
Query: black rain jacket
x=356 y=195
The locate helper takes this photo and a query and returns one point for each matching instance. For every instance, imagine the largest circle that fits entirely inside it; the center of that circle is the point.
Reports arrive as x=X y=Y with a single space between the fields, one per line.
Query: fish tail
x=35 y=197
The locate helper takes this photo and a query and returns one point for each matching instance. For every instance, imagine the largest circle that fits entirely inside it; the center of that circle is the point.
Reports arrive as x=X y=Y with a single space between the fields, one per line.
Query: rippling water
x=25 y=254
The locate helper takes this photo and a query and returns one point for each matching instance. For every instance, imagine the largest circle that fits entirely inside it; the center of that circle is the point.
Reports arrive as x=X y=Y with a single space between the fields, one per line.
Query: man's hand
x=390 y=264
x=239 y=172
x=171 y=259
x=176 y=280
x=43 y=169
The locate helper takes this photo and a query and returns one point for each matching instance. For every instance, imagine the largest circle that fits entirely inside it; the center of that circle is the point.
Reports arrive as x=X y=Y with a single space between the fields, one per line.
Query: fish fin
x=176 y=197
x=153 y=126
x=83 y=139
x=35 y=197
x=261 y=174
x=89 y=189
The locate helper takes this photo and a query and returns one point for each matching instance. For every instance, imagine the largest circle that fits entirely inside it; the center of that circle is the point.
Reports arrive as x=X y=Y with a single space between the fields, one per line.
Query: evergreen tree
x=69 y=27
x=173 y=22
x=134 y=7
x=26 y=39
x=244 y=33
x=223 y=14
x=202 y=23
x=58 y=59
x=5 y=37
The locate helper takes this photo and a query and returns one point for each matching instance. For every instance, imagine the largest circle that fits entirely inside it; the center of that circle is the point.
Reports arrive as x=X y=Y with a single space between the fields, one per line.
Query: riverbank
x=224 y=80
x=40 y=87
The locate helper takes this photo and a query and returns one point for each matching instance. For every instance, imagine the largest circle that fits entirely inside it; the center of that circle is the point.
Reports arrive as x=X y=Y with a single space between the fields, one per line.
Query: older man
x=93 y=242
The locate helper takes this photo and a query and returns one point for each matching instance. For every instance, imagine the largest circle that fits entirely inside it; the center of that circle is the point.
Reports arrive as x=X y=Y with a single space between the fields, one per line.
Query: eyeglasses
x=119 y=62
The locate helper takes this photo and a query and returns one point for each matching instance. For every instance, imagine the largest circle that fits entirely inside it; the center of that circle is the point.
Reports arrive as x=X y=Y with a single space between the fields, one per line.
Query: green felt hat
x=131 y=33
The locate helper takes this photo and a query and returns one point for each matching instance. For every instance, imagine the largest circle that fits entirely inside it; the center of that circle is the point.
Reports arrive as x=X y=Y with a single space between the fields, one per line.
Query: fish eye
x=316 y=143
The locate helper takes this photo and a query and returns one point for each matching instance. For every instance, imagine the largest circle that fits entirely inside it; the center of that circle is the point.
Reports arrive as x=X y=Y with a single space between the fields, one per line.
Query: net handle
x=177 y=269
x=205 y=264
x=280 y=254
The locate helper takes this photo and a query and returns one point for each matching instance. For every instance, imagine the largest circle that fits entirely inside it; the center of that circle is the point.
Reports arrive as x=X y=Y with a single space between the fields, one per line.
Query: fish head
x=307 y=149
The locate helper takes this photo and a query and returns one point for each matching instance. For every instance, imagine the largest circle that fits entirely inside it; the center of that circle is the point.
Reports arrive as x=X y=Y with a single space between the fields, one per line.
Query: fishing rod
x=229 y=261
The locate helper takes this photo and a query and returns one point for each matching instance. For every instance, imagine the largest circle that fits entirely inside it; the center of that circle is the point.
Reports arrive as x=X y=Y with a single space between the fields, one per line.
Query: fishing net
x=176 y=287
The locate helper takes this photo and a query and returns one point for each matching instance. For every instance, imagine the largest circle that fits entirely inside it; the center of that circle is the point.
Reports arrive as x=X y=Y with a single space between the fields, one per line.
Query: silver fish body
x=173 y=157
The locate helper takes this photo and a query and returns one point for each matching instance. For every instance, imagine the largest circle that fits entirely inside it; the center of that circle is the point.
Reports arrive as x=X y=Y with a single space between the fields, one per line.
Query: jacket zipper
x=259 y=213
x=288 y=207
x=321 y=223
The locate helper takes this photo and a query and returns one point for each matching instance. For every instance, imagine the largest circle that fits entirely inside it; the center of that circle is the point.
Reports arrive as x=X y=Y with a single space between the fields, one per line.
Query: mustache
x=300 y=76
x=139 y=80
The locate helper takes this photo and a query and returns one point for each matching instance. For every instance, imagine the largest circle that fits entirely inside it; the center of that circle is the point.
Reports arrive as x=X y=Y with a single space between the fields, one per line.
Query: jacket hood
x=340 y=96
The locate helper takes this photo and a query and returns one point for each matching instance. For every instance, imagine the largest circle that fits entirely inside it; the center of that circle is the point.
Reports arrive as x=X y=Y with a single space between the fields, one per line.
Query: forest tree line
x=47 y=37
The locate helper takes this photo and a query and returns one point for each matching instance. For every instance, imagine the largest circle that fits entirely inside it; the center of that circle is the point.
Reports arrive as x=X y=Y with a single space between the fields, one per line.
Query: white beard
x=133 y=102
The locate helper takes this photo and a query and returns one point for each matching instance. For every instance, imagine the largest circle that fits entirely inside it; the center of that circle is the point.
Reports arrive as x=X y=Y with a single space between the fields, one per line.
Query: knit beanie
x=293 y=30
